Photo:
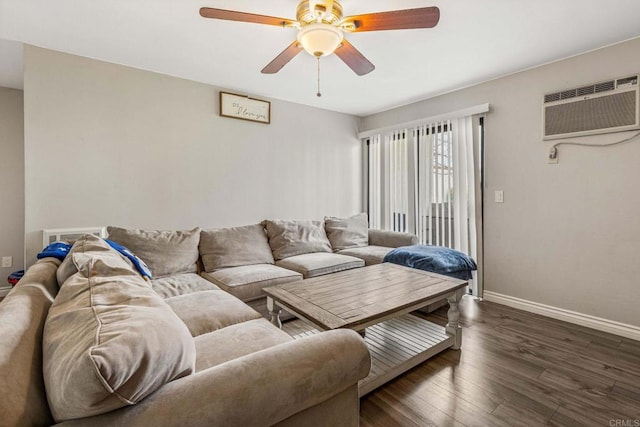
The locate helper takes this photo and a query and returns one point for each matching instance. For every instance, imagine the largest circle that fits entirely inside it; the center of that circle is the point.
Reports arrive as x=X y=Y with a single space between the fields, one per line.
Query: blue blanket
x=436 y=259
x=56 y=250
x=138 y=263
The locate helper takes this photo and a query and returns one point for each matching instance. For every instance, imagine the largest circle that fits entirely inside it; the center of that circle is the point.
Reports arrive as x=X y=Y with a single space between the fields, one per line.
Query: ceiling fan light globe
x=320 y=39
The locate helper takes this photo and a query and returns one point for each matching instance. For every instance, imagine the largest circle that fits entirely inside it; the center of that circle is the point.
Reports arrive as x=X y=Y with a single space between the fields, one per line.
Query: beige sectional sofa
x=88 y=341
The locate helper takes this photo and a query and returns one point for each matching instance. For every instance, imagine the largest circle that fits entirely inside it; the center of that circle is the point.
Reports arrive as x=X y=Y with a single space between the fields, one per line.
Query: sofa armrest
x=261 y=388
x=391 y=239
x=22 y=316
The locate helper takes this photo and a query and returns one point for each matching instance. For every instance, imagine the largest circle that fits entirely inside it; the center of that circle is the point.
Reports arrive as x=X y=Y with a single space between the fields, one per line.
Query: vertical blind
x=388 y=181
x=435 y=183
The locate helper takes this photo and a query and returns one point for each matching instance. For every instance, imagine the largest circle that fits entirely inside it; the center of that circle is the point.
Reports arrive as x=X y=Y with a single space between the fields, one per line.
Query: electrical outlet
x=498 y=196
x=552 y=158
x=7 y=261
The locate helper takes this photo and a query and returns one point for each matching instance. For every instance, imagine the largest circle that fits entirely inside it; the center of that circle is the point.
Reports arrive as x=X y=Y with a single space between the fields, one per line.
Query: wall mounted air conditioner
x=610 y=106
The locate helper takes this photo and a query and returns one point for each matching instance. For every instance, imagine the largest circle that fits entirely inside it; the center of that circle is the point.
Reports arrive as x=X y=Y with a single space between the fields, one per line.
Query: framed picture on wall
x=244 y=108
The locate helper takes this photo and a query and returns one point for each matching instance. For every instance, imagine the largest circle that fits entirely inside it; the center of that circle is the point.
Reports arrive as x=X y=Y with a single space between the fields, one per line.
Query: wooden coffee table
x=376 y=301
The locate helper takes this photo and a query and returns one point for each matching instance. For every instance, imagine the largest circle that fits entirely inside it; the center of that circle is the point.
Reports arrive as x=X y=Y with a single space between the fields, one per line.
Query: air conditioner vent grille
x=605 y=86
x=552 y=97
x=587 y=90
x=592 y=89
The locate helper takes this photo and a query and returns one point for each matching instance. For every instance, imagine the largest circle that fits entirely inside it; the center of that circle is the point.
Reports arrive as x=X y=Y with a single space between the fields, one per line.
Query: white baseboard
x=4 y=291
x=593 y=322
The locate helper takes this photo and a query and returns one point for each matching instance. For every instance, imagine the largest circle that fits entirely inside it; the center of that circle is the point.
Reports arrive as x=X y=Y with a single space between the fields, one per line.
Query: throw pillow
x=346 y=233
x=109 y=340
x=165 y=252
x=290 y=238
x=234 y=247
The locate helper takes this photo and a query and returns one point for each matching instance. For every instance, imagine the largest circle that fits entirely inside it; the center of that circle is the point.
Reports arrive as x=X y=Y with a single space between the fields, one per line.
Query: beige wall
x=567 y=235
x=107 y=144
x=12 y=180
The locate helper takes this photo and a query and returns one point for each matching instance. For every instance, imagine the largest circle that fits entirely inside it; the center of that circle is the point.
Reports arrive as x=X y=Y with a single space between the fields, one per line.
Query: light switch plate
x=7 y=261
x=499 y=196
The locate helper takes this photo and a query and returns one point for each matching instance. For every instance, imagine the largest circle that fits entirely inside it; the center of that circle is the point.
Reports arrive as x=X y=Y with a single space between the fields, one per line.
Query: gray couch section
x=247 y=372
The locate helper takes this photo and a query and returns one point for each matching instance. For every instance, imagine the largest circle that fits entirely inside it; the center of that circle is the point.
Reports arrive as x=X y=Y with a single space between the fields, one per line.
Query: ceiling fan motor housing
x=324 y=11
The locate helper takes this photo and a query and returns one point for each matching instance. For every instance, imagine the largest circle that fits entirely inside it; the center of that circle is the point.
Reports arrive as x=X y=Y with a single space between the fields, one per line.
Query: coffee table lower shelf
x=397 y=345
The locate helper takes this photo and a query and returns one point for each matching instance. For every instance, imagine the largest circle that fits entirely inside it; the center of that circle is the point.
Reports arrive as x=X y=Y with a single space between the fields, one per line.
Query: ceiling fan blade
x=424 y=17
x=232 y=15
x=282 y=59
x=354 y=59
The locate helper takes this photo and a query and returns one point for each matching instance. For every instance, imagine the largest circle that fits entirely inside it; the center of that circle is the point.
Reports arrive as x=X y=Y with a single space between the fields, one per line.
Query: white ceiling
x=475 y=41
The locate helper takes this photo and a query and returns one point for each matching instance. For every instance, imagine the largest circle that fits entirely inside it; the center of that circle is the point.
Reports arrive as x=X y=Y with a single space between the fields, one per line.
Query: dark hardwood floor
x=515 y=369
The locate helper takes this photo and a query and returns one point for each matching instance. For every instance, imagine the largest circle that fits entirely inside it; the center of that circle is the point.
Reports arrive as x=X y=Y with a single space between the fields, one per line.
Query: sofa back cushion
x=290 y=238
x=85 y=244
x=165 y=252
x=22 y=316
x=234 y=247
x=109 y=340
x=391 y=239
x=347 y=233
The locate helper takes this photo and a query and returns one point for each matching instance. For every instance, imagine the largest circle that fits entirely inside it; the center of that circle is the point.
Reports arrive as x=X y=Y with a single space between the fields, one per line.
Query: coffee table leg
x=453 y=328
x=274 y=311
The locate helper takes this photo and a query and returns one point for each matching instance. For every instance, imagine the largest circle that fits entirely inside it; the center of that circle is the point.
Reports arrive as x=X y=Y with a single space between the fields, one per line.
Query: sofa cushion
x=180 y=284
x=109 y=340
x=344 y=233
x=290 y=238
x=318 y=264
x=165 y=252
x=391 y=239
x=246 y=282
x=235 y=246
x=87 y=243
x=370 y=254
x=235 y=341
x=208 y=311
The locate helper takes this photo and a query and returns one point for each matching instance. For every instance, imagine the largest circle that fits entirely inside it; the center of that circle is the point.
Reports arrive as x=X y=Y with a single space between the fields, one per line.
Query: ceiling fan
x=321 y=27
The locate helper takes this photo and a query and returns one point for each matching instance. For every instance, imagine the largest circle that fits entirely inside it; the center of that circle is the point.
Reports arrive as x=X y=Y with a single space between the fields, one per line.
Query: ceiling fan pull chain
x=318 y=94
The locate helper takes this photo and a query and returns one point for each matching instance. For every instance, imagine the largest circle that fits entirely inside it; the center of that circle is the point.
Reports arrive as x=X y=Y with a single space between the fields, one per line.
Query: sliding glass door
x=427 y=180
